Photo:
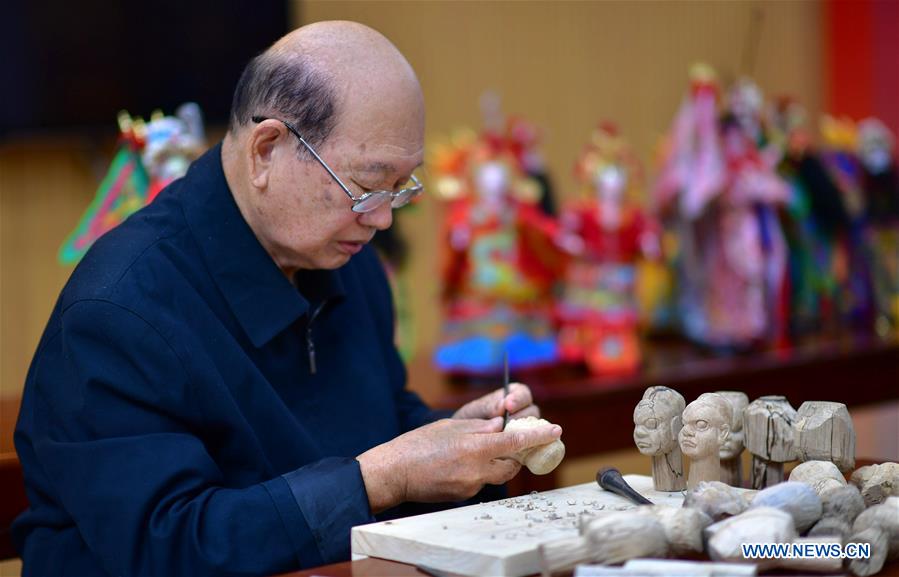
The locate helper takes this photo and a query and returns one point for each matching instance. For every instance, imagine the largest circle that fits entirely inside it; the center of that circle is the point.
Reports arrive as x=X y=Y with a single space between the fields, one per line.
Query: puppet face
x=492 y=180
x=610 y=181
x=746 y=101
x=655 y=431
x=875 y=145
x=704 y=431
x=733 y=446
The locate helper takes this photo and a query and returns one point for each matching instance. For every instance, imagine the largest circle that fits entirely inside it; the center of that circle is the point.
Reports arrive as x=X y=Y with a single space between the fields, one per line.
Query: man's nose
x=380 y=218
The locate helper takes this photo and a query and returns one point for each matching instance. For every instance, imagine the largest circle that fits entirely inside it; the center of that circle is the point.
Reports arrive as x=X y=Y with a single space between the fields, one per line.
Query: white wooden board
x=498 y=538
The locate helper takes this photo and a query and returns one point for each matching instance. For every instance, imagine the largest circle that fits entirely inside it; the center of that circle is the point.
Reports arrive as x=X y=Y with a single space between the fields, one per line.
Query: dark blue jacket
x=172 y=423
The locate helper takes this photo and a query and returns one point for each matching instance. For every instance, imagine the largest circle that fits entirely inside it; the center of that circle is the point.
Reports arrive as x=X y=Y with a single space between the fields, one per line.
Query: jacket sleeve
x=118 y=432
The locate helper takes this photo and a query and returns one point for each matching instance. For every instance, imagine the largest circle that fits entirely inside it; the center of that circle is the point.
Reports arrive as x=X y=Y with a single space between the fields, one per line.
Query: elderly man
x=217 y=390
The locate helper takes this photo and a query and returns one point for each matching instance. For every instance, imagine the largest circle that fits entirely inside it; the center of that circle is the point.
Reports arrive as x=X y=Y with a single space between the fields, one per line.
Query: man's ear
x=261 y=151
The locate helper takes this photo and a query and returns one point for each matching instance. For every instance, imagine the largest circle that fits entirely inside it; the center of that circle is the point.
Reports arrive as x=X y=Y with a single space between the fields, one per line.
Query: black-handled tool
x=505 y=388
x=610 y=479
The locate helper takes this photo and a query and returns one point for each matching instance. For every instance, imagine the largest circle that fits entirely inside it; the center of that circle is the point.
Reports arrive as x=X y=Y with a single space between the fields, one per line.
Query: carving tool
x=505 y=388
x=610 y=479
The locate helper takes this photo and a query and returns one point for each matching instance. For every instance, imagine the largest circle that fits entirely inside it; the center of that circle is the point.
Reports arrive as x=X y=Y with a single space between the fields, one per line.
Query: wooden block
x=768 y=434
x=717 y=500
x=761 y=525
x=683 y=527
x=498 y=538
x=885 y=516
x=814 y=564
x=876 y=538
x=844 y=503
x=824 y=432
x=768 y=429
x=610 y=539
x=822 y=476
x=797 y=499
x=877 y=482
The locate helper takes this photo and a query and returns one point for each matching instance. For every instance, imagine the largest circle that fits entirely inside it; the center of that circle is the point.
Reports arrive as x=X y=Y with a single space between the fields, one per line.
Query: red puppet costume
x=500 y=262
x=606 y=233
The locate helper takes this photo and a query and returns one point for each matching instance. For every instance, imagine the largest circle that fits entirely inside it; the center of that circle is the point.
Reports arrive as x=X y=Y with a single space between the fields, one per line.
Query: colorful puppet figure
x=815 y=219
x=880 y=180
x=721 y=192
x=149 y=157
x=855 y=298
x=171 y=144
x=500 y=263
x=606 y=233
x=122 y=192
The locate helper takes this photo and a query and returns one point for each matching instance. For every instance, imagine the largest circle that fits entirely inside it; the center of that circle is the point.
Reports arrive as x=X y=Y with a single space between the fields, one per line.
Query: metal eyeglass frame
x=397 y=198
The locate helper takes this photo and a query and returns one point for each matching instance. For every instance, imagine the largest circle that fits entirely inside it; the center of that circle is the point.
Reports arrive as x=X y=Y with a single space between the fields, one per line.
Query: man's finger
x=496 y=404
x=529 y=411
x=501 y=470
x=509 y=443
x=494 y=425
x=519 y=397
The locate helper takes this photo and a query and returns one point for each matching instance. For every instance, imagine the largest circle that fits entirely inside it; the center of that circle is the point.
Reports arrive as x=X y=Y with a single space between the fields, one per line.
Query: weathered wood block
x=877 y=482
x=824 y=432
x=768 y=434
x=822 y=476
x=797 y=499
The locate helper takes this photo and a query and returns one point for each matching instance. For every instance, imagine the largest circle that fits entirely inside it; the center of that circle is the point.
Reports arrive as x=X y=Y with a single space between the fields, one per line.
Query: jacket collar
x=262 y=299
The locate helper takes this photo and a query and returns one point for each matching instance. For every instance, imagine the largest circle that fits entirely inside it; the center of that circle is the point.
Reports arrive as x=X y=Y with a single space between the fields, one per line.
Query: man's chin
x=329 y=260
x=336 y=261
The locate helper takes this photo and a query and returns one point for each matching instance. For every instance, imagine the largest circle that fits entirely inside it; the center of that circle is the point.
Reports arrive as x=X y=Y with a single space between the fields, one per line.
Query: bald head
x=323 y=74
x=351 y=50
x=344 y=91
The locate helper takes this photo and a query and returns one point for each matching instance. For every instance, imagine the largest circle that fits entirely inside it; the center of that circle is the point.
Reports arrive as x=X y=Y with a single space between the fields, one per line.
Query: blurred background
x=570 y=71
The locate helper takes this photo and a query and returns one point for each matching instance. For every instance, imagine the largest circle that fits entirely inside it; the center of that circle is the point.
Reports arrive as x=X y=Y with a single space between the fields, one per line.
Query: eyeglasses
x=367 y=201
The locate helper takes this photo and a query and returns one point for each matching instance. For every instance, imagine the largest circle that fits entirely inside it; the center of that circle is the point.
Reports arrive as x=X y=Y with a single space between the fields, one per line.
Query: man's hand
x=448 y=460
x=519 y=404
